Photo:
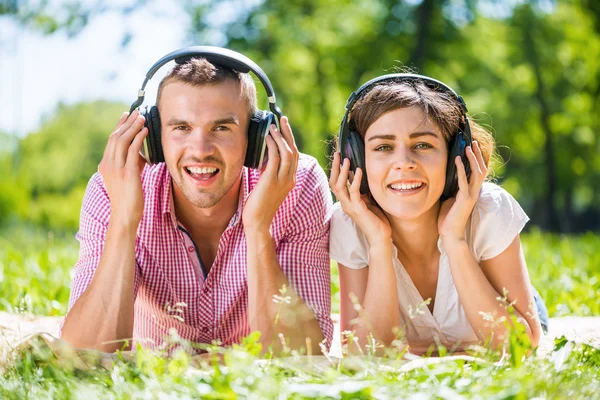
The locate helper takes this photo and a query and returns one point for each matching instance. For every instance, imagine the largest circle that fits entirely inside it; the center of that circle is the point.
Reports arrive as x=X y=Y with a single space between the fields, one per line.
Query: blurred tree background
x=529 y=70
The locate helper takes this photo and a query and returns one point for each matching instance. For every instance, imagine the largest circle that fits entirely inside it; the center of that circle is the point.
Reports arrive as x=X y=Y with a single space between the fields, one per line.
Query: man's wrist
x=123 y=224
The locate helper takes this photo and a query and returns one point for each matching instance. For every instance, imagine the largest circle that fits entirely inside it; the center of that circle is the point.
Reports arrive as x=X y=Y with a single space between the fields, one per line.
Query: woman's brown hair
x=439 y=105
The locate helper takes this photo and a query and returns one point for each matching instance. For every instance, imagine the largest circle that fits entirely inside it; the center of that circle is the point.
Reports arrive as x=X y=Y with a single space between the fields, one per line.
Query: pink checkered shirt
x=169 y=272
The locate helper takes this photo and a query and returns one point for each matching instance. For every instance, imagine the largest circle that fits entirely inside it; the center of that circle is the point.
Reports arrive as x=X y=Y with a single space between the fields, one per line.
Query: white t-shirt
x=496 y=220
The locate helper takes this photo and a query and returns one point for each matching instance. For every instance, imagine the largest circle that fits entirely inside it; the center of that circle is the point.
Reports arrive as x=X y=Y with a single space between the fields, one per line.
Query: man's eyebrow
x=227 y=121
x=177 y=121
x=220 y=121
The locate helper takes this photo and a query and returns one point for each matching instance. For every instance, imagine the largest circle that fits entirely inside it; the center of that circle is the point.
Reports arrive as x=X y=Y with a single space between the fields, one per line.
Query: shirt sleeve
x=496 y=220
x=303 y=251
x=347 y=244
x=93 y=226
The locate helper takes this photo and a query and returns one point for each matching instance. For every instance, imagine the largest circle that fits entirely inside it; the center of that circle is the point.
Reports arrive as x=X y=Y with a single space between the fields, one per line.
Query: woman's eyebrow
x=383 y=137
x=415 y=135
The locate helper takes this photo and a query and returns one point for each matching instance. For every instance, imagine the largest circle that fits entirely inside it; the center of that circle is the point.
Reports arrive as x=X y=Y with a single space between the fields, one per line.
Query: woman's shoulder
x=494 y=199
x=496 y=220
x=347 y=244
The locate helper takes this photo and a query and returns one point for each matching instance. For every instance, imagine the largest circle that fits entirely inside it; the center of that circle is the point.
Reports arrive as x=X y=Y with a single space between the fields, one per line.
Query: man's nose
x=201 y=143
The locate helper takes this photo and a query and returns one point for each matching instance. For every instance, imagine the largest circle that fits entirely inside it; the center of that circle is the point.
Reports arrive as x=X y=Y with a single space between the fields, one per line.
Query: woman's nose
x=404 y=159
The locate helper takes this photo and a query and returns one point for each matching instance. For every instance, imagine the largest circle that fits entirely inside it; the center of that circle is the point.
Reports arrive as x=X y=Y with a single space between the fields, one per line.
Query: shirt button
x=190 y=249
x=205 y=329
x=205 y=289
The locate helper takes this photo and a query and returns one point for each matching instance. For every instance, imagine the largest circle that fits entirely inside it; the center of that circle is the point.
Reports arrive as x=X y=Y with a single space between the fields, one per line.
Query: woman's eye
x=383 y=147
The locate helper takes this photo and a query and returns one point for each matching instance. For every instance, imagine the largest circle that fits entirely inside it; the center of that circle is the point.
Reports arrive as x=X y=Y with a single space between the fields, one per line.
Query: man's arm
x=103 y=315
x=288 y=316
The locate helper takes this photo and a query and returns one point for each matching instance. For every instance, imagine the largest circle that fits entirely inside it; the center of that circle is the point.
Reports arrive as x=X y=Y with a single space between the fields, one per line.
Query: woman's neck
x=416 y=239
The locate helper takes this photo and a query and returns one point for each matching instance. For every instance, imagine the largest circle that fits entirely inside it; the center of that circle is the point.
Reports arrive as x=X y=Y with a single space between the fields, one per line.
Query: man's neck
x=212 y=221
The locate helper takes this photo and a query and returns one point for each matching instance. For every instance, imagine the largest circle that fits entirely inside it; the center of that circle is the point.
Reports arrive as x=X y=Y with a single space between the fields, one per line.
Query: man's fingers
x=274 y=159
x=288 y=135
x=125 y=140
x=121 y=120
x=133 y=154
x=285 y=152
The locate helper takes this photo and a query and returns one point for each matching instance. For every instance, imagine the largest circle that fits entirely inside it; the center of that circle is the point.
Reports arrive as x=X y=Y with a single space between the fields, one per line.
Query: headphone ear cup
x=258 y=129
x=457 y=148
x=154 y=133
x=357 y=159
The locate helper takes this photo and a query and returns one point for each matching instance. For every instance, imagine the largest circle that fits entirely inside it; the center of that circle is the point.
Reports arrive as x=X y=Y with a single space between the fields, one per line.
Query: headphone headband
x=354 y=96
x=215 y=55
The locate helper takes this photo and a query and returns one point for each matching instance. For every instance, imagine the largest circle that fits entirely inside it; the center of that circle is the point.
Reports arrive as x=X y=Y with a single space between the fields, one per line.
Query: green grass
x=35 y=277
x=35 y=271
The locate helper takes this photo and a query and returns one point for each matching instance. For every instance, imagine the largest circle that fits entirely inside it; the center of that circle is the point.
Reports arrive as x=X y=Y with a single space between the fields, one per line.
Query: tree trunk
x=424 y=16
x=552 y=219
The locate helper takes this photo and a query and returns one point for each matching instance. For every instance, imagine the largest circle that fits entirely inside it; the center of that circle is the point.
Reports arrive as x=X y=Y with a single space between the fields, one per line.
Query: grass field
x=35 y=277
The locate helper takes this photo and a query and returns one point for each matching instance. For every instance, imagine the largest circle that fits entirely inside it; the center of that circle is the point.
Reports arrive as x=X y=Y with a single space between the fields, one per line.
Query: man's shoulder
x=309 y=171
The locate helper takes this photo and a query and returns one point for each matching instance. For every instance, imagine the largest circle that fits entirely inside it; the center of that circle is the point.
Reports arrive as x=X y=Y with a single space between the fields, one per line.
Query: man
x=201 y=243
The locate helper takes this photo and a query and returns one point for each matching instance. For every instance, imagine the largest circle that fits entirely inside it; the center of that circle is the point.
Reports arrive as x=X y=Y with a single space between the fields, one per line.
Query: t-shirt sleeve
x=496 y=220
x=347 y=244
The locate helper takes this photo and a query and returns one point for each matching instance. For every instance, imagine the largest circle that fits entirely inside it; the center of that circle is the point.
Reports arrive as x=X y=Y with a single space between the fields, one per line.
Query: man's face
x=204 y=139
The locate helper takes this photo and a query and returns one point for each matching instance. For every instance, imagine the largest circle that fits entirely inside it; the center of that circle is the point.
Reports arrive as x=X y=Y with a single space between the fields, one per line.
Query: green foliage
x=565 y=270
x=531 y=73
x=56 y=162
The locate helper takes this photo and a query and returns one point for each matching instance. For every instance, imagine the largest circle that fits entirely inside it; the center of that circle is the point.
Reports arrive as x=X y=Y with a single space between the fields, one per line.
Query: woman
x=406 y=141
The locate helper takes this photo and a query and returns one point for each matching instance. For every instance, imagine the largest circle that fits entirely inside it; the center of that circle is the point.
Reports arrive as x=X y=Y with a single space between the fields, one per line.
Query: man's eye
x=423 y=146
x=181 y=128
x=221 y=128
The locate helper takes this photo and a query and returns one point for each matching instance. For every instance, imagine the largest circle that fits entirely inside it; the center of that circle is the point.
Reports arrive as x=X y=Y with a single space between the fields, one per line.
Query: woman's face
x=406 y=156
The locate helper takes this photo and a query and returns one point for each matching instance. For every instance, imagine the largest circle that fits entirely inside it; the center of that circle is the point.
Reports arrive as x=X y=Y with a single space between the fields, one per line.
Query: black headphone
x=351 y=145
x=259 y=123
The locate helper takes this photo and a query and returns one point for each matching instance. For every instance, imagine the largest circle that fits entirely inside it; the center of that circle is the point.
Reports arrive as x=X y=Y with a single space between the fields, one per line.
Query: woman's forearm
x=480 y=299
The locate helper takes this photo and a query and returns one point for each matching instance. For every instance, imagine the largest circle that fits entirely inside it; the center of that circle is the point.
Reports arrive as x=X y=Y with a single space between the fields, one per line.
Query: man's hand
x=121 y=167
x=277 y=179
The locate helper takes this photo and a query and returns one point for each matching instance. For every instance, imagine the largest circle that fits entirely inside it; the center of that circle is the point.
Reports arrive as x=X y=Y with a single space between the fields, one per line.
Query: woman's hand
x=368 y=216
x=455 y=212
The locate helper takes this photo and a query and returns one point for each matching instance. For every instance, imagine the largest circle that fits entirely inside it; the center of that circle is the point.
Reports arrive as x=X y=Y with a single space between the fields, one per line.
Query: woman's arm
x=372 y=290
x=480 y=286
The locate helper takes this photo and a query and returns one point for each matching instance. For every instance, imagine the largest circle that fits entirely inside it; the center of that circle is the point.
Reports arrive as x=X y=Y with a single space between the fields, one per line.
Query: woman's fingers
x=463 y=184
x=335 y=171
x=355 y=186
x=341 y=185
x=479 y=156
x=474 y=163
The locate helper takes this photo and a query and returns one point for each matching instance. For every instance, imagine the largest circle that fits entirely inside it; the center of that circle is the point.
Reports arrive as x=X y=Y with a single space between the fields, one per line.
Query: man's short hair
x=199 y=72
